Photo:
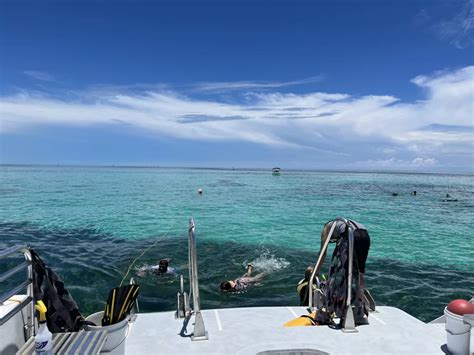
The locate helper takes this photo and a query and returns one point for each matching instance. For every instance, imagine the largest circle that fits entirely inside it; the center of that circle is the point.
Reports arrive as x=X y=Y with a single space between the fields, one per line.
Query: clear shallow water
x=89 y=223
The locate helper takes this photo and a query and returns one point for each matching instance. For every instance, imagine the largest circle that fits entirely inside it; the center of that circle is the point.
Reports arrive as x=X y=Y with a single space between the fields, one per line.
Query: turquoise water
x=89 y=223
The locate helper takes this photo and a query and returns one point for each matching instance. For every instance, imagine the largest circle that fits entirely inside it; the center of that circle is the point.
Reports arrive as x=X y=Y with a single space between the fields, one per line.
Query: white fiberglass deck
x=254 y=330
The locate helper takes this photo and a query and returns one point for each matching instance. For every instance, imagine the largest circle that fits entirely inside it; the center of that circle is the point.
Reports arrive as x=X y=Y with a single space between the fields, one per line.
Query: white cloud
x=459 y=29
x=451 y=21
x=39 y=75
x=427 y=162
x=326 y=122
x=397 y=164
x=251 y=85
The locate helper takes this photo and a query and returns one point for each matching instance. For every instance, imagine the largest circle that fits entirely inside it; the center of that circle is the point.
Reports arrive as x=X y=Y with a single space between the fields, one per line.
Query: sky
x=357 y=85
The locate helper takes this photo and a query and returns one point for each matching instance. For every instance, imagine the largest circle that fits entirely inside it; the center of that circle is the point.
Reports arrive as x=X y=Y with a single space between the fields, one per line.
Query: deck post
x=349 y=322
x=199 y=332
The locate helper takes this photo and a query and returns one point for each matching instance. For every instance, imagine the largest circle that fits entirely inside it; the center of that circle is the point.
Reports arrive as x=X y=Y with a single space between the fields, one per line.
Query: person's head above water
x=308 y=272
x=227 y=285
x=163 y=266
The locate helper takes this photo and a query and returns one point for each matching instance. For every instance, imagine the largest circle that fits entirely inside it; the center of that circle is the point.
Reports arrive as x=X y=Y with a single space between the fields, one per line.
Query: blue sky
x=384 y=85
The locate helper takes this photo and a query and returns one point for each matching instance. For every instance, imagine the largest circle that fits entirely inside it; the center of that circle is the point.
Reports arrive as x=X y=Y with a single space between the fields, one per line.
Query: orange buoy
x=461 y=307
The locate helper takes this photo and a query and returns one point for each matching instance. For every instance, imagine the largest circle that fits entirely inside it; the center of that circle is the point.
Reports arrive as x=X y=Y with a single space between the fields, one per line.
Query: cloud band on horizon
x=329 y=122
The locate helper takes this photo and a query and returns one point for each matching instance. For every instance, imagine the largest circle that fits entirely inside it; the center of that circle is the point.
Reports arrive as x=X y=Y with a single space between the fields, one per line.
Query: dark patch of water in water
x=91 y=263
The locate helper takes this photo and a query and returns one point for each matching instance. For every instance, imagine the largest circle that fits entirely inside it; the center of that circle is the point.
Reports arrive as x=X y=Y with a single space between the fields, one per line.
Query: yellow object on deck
x=302 y=321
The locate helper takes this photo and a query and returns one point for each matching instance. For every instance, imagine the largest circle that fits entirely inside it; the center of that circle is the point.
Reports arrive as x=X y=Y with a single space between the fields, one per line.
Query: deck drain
x=293 y=352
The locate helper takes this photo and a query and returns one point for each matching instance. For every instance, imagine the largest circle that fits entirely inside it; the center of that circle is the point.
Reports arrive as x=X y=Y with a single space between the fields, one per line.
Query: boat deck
x=260 y=330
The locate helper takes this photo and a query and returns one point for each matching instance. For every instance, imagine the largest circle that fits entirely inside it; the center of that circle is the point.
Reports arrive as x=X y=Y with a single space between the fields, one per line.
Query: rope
x=143 y=253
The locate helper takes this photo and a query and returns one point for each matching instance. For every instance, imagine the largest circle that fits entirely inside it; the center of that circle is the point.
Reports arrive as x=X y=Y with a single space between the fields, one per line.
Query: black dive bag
x=63 y=315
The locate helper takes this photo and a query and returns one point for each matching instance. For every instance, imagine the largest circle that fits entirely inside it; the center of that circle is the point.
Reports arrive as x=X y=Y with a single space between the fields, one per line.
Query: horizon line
x=233 y=168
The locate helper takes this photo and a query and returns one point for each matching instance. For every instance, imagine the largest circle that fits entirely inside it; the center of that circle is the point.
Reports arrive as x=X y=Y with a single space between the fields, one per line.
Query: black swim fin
x=119 y=304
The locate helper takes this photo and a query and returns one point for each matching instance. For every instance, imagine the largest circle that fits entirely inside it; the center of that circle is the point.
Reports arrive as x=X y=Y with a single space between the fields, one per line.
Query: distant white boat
x=276 y=171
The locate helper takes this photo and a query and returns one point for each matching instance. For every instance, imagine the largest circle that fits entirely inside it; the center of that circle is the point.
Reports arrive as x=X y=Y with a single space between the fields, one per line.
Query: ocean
x=89 y=223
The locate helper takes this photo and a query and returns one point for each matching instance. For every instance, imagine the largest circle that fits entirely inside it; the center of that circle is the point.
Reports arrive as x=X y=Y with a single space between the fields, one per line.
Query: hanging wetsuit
x=361 y=241
x=336 y=300
x=63 y=314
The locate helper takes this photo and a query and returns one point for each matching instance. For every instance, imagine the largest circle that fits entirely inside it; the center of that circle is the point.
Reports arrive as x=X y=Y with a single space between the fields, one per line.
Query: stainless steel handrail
x=199 y=332
x=28 y=284
x=11 y=250
x=320 y=257
x=14 y=291
x=6 y=275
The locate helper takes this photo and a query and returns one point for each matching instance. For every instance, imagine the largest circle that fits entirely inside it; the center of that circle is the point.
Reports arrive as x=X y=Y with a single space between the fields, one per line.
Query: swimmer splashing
x=243 y=282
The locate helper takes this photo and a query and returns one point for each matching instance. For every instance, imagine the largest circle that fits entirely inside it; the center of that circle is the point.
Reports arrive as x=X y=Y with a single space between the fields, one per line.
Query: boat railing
x=26 y=284
x=199 y=332
x=349 y=321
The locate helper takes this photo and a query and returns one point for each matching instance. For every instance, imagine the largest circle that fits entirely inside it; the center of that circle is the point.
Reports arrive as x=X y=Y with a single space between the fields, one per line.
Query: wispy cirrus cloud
x=39 y=75
x=451 y=21
x=206 y=118
x=459 y=30
x=251 y=85
x=341 y=124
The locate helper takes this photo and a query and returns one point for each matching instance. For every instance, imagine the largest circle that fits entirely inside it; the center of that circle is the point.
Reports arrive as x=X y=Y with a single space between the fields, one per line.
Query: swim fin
x=120 y=302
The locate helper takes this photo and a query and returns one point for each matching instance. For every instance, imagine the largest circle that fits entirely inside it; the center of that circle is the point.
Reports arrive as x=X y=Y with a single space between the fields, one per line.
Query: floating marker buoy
x=461 y=307
x=457 y=331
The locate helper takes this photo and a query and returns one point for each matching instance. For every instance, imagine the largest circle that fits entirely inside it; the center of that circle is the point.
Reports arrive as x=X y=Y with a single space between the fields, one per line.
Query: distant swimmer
x=394 y=193
x=413 y=192
x=243 y=282
x=162 y=268
x=200 y=192
x=449 y=199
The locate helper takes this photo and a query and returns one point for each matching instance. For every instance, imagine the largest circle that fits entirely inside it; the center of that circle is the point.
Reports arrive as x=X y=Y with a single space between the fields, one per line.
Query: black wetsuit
x=361 y=241
x=337 y=290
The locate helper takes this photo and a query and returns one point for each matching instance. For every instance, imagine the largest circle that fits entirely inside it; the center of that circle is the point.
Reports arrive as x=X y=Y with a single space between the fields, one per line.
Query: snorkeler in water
x=302 y=287
x=162 y=268
x=243 y=282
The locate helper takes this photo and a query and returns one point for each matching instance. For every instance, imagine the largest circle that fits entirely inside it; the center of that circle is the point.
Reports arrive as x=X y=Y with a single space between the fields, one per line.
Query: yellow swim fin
x=302 y=321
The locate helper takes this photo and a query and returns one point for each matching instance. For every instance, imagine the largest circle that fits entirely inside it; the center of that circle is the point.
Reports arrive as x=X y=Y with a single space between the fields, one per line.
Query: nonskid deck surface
x=254 y=330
